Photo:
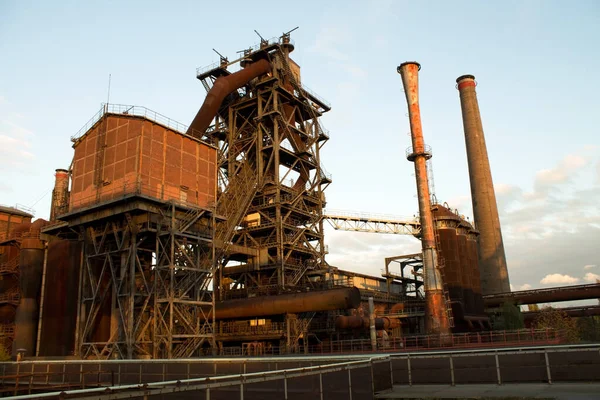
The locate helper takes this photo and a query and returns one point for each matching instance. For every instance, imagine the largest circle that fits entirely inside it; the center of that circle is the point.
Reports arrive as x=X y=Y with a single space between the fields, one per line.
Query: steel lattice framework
x=359 y=222
x=271 y=182
x=146 y=282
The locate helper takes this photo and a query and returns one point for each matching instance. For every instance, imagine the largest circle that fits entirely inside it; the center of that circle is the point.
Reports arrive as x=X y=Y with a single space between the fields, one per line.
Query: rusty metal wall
x=124 y=154
x=475 y=271
x=61 y=291
x=31 y=265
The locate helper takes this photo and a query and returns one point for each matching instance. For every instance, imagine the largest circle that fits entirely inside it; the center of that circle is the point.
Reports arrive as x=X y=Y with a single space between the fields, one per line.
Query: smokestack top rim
x=61 y=171
x=463 y=77
x=408 y=63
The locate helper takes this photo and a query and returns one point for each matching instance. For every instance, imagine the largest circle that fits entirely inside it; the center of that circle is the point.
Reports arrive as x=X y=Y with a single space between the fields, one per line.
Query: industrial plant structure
x=169 y=241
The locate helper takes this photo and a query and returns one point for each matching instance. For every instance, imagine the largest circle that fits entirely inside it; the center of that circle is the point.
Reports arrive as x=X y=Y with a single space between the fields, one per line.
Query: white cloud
x=15 y=140
x=590 y=277
x=553 y=279
x=589 y=266
x=525 y=286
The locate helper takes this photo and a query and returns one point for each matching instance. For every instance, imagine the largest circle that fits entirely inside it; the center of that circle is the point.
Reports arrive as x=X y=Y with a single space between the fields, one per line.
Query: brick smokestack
x=436 y=319
x=494 y=273
x=60 y=194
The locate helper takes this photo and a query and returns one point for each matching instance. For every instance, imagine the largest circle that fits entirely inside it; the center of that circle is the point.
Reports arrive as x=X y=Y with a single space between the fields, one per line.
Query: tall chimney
x=436 y=319
x=492 y=261
x=60 y=194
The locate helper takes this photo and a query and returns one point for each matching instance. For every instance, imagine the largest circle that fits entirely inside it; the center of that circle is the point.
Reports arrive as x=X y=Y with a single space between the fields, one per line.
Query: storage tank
x=31 y=263
x=467 y=267
x=473 y=252
x=61 y=290
x=446 y=223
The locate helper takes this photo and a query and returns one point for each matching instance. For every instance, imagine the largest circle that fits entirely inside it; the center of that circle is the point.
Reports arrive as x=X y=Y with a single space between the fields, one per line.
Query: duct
x=293 y=303
x=221 y=88
x=494 y=273
x=436 y=320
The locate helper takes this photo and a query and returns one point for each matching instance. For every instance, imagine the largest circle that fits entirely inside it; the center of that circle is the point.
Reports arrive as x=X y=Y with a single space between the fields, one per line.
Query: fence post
x=81 y=379
x=119 y=375
x=349 y=384
x=140 y=377
x=188 y=370
x=321 y=385
x=451 y=369
x=391 y=373
x=498 y=369
x=207 y=392
x=47 y=373
x=372 y=377
x=285 y=392
x=64 y=372
x=242 y=387
x=548 y=367
x=409 y=372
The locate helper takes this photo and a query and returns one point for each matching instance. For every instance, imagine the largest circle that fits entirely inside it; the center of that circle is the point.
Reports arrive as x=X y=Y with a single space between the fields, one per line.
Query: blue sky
x=536 y=63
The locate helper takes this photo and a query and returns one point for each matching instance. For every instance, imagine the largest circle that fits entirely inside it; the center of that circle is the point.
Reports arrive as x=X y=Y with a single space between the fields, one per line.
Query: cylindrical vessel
x=466 y=266
x=494 y=273
x=60 y=194
x=30 y=280
x=436 y=320
x=473 y=252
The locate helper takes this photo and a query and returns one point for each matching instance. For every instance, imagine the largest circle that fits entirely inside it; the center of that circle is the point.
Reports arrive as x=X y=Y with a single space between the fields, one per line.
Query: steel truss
x=145 y=284
x=269 y=140
x=272 y=129
x=354 y=222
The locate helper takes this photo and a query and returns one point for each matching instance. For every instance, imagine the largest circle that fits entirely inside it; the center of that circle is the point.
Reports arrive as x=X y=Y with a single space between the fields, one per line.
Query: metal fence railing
x=125 y=109
x=330 y=377
x=267 y=378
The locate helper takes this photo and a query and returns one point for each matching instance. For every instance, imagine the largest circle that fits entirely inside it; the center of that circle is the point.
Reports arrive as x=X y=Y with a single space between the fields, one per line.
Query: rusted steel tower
x=494 y=273
x=437 y=319
x=141 y=204
x=271 y=181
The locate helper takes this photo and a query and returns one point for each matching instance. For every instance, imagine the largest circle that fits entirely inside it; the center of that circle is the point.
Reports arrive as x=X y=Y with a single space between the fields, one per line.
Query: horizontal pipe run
x=293 y=303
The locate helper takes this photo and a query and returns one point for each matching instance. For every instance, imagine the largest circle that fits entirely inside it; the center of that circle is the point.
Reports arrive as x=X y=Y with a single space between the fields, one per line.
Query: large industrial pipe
x=26 y=318
x=353 y=322
x=60 y=194
x=293 y=303
x=221 y=88
x=494 y=273
x=436 y=320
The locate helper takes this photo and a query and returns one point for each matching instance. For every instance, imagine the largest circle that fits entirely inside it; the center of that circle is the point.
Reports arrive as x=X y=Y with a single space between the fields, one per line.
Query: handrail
x=194 y=384
x=125 y=109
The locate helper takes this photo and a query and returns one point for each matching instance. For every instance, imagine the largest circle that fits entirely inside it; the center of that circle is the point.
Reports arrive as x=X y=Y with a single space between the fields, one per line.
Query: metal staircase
x=234 y=203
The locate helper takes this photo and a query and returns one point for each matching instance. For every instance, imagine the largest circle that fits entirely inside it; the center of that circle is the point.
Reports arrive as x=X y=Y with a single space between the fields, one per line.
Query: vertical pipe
x=436 y=320
x=26 y=318
x=494 y=273
x=372 y=325
x=60 y=194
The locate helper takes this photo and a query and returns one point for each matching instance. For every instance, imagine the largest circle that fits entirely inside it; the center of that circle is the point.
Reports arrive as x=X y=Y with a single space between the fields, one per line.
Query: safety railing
x=124 y=109
x=360 y=378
